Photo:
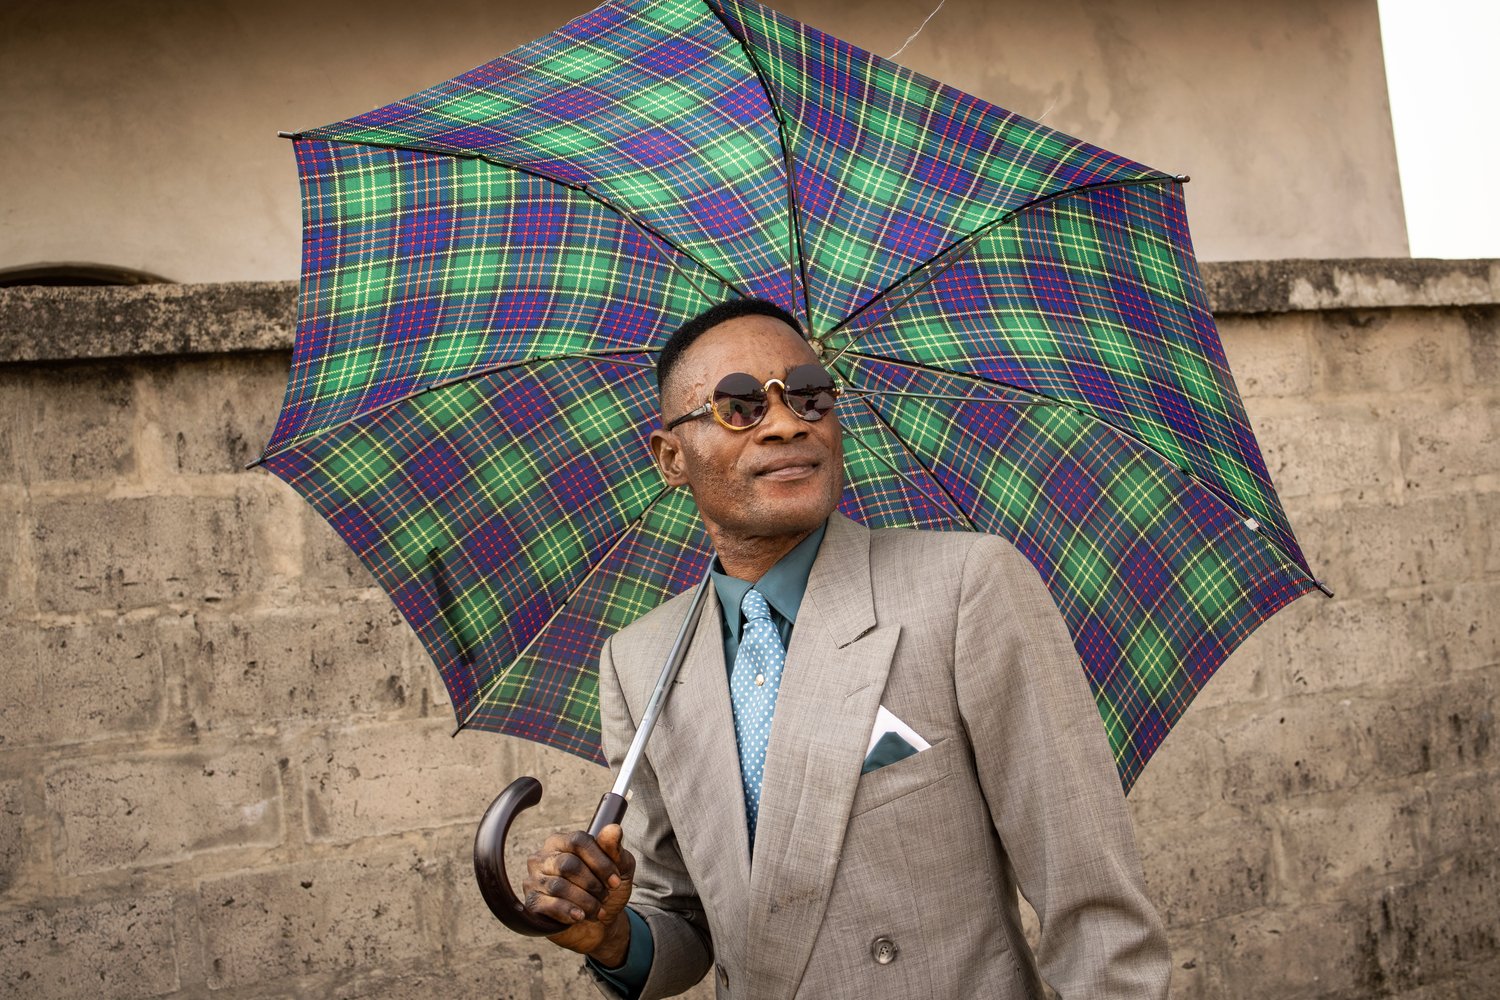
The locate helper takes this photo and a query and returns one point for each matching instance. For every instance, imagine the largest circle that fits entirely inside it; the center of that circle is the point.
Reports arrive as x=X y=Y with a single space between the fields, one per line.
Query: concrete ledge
x=1281 y=286
x=41 y=323
x=68 y=324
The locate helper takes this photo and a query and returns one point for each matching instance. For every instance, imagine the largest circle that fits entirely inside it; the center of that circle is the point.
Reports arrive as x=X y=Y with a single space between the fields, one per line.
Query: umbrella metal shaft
x=663 y=688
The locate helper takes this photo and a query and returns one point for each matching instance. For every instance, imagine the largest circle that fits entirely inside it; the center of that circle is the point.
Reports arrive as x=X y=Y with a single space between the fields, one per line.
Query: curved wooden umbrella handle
x=525 y=792
x=489 y=853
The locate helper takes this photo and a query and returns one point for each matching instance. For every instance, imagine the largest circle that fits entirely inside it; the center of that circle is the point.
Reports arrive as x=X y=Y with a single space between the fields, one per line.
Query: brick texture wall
x=226 y=768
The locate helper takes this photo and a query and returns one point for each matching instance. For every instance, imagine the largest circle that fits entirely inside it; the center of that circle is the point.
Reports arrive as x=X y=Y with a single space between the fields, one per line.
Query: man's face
x=780 y=478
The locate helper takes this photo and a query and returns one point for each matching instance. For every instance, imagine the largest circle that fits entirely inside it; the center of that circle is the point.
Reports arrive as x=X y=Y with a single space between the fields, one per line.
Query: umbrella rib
x=672 y=260
x=933 y=267
x=952 y=501
x=495 y=681
x=633 y=219
x=618 y=356
x=796 y=248
x=582 y=189
x=867 y=393
x=1249 y=521
x=1034 y=395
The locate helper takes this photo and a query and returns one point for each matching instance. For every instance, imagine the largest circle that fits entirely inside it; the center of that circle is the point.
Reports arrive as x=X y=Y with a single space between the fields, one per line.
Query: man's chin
x=796 y=515
x=768 y=509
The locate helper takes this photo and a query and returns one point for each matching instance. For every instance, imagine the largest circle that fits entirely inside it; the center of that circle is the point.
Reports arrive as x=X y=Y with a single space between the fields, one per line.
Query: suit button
x=883 y=950
x=723 y=976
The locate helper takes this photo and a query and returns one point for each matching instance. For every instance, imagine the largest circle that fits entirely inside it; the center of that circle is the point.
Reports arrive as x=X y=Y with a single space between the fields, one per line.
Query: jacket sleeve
x=1051 y=785
x=663 y=894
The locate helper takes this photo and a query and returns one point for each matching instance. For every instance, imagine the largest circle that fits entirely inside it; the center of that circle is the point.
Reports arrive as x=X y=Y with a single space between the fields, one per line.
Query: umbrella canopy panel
x=490 y=265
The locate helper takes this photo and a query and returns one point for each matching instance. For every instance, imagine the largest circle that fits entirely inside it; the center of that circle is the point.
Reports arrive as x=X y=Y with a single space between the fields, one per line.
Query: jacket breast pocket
x=921 y=770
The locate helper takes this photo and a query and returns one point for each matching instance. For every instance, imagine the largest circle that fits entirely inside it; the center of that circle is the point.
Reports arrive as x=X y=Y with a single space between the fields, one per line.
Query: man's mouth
x=786 y=469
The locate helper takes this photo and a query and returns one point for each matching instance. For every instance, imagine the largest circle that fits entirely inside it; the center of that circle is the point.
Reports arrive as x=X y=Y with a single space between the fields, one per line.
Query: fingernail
x=614 y=881
x=577 y=913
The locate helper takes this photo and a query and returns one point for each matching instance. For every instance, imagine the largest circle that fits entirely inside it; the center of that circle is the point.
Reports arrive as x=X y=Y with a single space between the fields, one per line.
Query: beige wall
x=142 y=134
x=225 y=767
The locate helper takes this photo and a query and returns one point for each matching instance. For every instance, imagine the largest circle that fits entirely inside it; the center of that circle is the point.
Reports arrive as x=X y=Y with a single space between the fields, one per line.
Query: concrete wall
x=142 y=134
x=225 y=766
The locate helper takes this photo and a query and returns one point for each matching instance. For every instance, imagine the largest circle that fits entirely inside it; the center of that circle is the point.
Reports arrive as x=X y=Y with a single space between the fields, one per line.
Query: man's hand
x=584 y=883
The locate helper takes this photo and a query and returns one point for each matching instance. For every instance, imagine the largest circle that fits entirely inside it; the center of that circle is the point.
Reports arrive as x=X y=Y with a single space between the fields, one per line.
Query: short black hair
x=683 y=337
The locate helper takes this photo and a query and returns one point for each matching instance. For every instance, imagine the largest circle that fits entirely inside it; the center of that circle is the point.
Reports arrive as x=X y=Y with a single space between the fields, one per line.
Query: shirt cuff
x=631 y=975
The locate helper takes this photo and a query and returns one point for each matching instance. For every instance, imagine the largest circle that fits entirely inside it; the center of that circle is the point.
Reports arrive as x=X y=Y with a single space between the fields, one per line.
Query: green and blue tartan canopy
x=490 y=265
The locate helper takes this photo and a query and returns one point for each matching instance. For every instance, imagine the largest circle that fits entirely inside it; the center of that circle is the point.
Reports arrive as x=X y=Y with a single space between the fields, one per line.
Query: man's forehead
x=747 y=343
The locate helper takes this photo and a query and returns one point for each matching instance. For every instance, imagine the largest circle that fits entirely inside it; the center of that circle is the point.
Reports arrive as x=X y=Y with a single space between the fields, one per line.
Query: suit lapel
x=830 y=691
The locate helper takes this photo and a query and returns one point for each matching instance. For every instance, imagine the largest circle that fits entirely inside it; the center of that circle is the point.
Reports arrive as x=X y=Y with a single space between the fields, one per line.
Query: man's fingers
x=578 y=857
x=570 y=867
x=555 y=843
x=611 y=841
x=558 y=887
x=561 y=910
x=587 y=850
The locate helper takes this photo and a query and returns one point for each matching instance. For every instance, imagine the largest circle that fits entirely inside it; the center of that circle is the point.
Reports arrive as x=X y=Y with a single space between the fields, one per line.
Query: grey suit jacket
x=956 y=635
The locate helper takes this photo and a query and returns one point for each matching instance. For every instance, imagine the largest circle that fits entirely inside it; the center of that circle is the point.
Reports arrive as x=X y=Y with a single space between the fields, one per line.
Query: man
x=866 y=752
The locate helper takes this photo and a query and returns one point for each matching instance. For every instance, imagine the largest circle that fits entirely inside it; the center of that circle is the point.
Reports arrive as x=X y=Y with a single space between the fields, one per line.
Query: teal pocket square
x=890 y=748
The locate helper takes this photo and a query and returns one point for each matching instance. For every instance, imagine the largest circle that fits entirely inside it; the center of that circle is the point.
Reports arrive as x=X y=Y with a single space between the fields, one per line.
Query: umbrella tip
x=287 y=135
x=1182 y=178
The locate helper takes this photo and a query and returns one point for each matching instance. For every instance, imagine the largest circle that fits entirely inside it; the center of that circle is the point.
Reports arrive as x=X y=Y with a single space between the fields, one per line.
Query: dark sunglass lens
x=740 y=400
x=738 y=412
x=809 y=391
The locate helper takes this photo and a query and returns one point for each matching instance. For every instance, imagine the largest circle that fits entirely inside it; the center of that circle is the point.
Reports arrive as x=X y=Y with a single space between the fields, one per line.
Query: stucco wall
x=142 y=134
x=225 y=766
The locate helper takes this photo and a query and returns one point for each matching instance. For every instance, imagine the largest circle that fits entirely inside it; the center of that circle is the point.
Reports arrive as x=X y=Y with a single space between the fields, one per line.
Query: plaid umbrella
x=490 y=265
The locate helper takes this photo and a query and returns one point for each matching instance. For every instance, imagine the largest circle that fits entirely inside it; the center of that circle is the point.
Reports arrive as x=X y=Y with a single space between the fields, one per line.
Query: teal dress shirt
x=782 y=587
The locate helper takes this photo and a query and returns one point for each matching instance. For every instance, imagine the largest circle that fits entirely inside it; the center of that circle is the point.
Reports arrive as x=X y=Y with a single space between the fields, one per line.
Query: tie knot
x=754 y=607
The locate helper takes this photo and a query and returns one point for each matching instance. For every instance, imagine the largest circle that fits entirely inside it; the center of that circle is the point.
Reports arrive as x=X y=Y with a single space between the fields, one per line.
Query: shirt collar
x=783 y=586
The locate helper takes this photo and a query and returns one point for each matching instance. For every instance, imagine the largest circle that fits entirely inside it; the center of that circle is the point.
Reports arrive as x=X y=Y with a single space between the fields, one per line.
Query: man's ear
x=666 y=451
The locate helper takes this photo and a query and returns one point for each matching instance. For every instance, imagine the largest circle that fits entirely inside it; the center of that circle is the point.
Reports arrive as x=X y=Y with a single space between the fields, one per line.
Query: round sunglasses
x=740 y=401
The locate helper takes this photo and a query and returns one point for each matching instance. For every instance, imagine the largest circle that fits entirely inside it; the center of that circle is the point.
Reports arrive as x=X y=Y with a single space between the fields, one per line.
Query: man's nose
x=780 y=421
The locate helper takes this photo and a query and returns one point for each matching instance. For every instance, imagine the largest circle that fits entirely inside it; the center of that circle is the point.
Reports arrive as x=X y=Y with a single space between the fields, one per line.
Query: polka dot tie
x=753 y=684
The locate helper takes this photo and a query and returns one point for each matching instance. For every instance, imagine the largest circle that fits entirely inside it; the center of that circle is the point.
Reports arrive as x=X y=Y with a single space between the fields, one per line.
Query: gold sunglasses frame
x=708 y=406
